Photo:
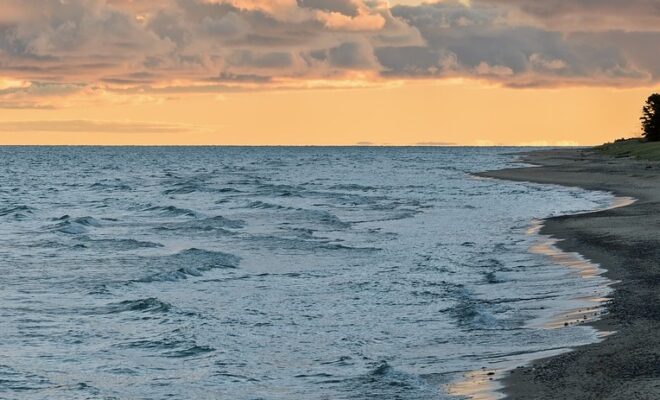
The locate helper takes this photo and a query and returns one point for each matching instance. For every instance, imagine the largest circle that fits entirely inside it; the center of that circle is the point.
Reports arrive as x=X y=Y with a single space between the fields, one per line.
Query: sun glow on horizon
x=452 y=112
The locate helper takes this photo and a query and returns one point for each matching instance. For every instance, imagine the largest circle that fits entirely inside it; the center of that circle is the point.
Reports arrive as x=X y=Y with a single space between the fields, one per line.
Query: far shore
x=624 y=241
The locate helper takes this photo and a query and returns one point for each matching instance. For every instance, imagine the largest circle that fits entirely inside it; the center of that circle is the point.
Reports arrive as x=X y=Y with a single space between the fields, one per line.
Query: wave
x=173 y=347
x=171 y=211
x=184 y=189
x=75 y=226
x=229 y=190
x=186 y=184
x=348 y=199
x=235 y=377
x=149 y=305
x=207 y=257
x=474 y=316
x=87 y=221
x=16 y=211
x=190 y=263
x=353 y=187
x=471 y=313
x=189 y=352
x=217 y=223
x=21 y=381
x=201 y=184
x=121 y=244
x=104 y=186
x=279 y=190
x=245 y=181
x=316 y=216
x=386 y=382
x=491 y=277
x=267 y=206
x=323 y=217
x=395 y=216
x=278 y=242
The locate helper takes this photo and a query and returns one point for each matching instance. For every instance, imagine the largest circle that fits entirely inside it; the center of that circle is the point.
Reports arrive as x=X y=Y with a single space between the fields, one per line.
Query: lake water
x=272 y=273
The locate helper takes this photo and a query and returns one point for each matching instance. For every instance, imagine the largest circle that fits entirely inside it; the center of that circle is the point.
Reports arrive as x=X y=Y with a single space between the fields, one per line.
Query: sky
x=325 y=72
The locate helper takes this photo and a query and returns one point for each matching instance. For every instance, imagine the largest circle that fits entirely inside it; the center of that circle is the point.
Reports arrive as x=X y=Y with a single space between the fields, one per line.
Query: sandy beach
x=626 y=242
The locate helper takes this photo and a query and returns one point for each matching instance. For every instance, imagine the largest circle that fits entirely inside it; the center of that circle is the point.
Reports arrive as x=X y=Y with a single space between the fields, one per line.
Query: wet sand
x=625 y=242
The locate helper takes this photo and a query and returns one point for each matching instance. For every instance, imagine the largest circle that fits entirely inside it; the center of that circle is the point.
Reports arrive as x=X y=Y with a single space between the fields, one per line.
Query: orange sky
x=323 y=72
x=467 y=113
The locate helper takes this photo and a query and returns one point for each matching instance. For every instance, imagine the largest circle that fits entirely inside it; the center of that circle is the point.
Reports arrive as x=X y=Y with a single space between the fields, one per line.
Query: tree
x=651 y=118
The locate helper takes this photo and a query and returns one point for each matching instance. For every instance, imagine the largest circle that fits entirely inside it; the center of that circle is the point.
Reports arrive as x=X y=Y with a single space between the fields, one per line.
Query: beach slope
x=626 y=242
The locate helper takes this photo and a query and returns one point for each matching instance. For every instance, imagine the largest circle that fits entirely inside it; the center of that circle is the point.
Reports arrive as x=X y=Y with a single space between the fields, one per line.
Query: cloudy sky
x=325 y=71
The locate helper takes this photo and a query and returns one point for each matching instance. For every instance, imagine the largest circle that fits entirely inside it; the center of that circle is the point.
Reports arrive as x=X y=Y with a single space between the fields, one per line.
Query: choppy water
x=270 y=273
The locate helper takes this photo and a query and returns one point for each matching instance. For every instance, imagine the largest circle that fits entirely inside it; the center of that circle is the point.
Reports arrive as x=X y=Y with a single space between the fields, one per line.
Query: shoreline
x=592 y=307
x=625 y=242
x=487 y=384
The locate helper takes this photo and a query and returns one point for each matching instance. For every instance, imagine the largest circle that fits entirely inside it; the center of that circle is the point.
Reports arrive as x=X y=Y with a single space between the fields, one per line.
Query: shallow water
x=272 y=273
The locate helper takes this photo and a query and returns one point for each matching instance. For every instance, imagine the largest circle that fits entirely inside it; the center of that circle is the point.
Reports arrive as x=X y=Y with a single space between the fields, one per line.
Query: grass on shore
x=636 y=148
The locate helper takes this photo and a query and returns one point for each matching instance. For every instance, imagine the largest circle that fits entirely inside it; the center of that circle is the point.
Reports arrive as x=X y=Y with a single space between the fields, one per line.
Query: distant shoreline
x=624 y=241
x=423 y=146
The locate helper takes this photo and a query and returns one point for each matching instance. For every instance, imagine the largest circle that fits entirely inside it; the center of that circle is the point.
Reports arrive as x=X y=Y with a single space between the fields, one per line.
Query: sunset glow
x=335 y=72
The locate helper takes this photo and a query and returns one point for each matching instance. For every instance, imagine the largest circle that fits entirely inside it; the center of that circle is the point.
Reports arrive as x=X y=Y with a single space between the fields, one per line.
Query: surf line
x=485 y=384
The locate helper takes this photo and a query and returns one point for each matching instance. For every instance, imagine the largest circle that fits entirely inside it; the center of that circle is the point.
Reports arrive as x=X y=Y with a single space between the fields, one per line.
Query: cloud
x=242 y=78
x=84 y=126
x=481 y=41
x=61 y=49
x=351 y=55
x=580 y=15
x=348 y=8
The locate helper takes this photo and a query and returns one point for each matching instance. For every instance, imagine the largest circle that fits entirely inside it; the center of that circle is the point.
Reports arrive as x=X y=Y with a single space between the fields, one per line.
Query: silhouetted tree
x=651 y=118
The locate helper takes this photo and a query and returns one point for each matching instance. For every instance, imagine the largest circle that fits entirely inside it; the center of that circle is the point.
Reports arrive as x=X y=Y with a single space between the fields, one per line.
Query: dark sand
x=626 y=242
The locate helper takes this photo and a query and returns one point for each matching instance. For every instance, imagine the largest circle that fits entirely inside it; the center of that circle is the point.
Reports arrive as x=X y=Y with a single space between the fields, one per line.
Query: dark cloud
x=351 y=55
x=579 y=15
x=346 y=7
x=242 y=78
x=478 y=41
x=266 y=60
x=135 y=78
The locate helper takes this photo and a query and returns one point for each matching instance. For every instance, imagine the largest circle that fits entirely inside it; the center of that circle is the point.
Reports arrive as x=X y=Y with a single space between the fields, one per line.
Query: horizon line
x=303 y=145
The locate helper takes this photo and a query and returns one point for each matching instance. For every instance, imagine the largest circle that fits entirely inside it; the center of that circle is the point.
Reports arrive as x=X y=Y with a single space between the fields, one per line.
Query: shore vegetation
x=651 y=118
x=636 y=148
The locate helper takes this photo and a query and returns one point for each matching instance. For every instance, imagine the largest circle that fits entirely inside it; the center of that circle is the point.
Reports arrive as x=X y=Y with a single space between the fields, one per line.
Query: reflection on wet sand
x=485 y=384
x=587 y=308
x=479 y=385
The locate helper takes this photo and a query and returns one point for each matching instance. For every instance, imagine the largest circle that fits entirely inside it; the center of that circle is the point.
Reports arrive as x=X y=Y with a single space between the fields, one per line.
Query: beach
x=625 y=241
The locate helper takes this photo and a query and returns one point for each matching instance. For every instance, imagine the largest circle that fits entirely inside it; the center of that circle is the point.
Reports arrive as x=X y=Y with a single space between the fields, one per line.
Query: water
x=271 y=273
